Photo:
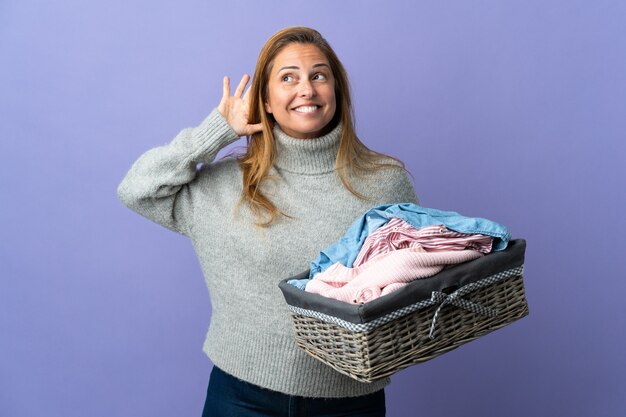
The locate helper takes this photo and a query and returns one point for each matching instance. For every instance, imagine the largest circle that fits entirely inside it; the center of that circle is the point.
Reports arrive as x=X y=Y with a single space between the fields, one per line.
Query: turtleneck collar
x=307 y=156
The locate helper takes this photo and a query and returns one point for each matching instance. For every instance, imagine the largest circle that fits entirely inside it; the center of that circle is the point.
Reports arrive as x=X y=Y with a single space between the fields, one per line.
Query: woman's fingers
x=239 y=91
x=242 y=85
x=226 y=87
x=247 y=94
x=235 y=107
x=255 y=128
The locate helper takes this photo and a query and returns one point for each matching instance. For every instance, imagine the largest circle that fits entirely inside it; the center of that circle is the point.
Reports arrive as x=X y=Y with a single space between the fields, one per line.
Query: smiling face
x=301 y=91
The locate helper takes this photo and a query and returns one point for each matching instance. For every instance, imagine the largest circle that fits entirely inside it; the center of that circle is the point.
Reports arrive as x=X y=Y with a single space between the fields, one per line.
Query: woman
x=264 y=215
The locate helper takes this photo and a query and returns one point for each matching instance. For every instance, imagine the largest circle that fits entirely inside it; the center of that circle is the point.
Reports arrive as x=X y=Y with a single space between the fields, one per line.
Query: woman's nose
x=306 y=89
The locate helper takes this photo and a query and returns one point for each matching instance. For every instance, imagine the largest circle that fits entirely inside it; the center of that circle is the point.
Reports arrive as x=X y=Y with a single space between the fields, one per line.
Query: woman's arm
x=158 y=184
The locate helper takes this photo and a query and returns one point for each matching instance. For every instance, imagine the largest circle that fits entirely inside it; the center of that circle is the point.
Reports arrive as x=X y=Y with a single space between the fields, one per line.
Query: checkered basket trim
x=437 y=298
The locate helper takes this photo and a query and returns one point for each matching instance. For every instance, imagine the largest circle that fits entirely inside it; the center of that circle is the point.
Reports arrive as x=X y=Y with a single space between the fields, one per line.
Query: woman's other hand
x=235 y=108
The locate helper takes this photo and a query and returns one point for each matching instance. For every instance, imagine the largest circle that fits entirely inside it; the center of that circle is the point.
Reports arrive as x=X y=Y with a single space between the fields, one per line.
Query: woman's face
x=301 y=91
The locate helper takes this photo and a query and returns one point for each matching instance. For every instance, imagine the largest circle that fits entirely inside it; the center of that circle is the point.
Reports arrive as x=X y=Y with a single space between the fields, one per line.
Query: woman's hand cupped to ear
x=235 y=108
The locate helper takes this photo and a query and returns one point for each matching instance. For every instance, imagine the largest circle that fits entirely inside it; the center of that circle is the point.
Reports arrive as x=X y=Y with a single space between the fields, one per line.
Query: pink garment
x=398 y=234
x=384 y=274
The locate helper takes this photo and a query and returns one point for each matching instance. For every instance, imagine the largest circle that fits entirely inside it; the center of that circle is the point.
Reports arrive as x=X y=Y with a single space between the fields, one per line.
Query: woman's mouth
x=306 y=109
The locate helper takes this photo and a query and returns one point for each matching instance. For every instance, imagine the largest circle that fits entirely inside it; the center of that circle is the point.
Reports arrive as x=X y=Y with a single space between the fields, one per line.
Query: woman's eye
x=319 y=76
x=287 y=78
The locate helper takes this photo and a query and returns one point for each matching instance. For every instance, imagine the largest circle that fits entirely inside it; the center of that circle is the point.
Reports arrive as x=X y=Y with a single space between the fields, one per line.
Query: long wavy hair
x=353 y=157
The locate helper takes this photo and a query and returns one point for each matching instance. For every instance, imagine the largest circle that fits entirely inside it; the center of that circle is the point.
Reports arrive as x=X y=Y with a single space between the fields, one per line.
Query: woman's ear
x=268 y=108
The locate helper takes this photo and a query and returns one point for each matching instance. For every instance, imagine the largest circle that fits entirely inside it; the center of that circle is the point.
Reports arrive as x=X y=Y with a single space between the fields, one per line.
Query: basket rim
x=420 y=289
x=401 y=312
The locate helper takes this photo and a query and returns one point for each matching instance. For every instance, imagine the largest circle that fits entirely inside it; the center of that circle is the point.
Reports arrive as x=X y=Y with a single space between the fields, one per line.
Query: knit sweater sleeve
x=159 y=184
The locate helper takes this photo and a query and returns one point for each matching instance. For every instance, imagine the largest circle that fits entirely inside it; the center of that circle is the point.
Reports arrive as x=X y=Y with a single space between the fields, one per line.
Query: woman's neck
x=307 y=156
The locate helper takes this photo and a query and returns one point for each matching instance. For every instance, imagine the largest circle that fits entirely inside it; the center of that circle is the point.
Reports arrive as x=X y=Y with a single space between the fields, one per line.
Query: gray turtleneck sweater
x=250 y=334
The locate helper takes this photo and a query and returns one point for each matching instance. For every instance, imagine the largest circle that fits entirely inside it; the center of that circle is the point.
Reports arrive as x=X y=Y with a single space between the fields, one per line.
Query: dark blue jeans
x=228 y=396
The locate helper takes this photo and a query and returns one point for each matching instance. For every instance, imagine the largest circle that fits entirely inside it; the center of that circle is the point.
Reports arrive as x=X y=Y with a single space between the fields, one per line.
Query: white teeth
x=306 y=109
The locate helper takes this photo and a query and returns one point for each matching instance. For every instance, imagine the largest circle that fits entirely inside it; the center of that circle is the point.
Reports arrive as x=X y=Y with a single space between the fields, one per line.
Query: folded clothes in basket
x=348 y=247
x=396 y=252
x=384 y=274
x=416 y=323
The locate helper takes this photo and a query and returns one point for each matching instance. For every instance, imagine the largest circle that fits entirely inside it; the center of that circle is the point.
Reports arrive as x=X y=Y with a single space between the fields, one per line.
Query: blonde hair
x=352 y=157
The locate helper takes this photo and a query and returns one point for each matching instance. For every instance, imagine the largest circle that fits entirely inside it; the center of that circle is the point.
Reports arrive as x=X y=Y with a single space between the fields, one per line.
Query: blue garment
x=347 y=248
x=299 y=283
x=228 y=396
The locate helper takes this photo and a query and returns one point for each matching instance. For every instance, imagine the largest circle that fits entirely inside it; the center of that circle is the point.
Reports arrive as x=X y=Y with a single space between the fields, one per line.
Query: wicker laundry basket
x=414 y=324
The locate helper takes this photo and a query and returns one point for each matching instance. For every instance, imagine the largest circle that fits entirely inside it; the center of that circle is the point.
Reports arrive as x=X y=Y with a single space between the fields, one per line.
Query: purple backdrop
x=507 y=110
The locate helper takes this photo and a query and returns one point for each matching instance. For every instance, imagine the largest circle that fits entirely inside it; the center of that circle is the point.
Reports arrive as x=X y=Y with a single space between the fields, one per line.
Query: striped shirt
x=398 y=234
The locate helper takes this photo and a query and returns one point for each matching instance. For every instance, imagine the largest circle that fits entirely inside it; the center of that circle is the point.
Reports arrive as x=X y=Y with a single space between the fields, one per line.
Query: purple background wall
x=510 y=110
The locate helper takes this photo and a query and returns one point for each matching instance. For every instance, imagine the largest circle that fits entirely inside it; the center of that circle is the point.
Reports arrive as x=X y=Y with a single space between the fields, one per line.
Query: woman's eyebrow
x=294 y=67
x=289 y=67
